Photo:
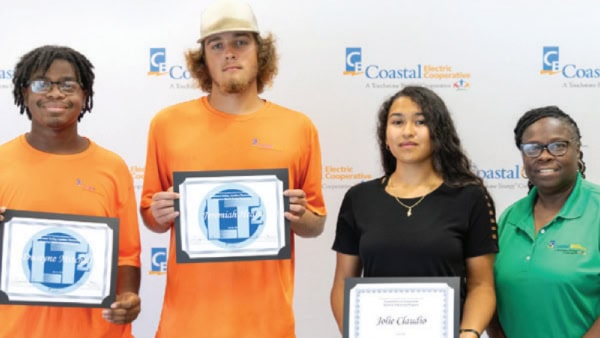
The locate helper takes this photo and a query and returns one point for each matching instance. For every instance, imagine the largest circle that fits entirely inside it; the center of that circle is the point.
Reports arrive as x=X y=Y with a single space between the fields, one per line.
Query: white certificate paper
x=231 y=215
x=58 y=260
x=401 y=307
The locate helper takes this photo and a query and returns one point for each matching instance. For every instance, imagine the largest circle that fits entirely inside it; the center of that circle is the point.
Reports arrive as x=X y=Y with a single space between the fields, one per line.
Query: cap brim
x=225 y=31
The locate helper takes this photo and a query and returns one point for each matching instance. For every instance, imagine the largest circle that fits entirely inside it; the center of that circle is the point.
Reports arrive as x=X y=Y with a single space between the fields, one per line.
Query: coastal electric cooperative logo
x=503 y=178
x=552 y=65
x=443 y=75
x=6 y=76
x=158 y=261
x=343 y=176
x=158 y=61
x=568 y=249
x=158 y=66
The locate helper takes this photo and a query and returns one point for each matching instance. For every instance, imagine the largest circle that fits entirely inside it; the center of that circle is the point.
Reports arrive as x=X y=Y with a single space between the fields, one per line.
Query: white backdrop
x=483 y=57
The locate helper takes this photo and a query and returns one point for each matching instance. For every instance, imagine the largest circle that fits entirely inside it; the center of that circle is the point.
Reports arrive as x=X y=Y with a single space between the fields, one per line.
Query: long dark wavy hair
x=533 y=115
x=267 y=64
x=449 y=159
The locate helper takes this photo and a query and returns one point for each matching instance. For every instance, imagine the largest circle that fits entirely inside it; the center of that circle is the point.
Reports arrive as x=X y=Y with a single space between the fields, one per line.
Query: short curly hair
x=267 y=64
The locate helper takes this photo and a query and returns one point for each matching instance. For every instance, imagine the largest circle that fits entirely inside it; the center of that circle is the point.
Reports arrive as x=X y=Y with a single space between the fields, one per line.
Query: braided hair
x=536 y=114
x=40 y=60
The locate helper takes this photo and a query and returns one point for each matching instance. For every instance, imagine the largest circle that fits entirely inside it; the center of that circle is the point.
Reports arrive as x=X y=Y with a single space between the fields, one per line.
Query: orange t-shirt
x=95 y=182
x=250 y=299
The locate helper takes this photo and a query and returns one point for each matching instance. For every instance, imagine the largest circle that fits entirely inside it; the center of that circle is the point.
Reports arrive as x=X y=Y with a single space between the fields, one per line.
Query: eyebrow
x=64 y=78
x=402 y=114
x=213 y=39
x=235 y=35
x=552 y=140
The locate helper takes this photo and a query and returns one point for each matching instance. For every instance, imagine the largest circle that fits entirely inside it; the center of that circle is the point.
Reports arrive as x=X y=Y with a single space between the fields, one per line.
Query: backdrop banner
x=339 y=60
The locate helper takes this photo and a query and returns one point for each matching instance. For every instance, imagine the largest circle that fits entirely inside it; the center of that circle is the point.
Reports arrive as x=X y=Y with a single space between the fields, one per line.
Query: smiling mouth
x=53 y=104
x=545 y=171
x=55 y=108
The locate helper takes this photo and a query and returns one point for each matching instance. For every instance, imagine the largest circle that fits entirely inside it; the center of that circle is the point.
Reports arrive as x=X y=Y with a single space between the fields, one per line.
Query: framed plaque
x=231 y=215
x=402 y=307
x=58 y=259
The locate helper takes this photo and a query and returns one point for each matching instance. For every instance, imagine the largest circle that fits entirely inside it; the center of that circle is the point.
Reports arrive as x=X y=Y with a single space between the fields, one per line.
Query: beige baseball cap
x=227 y=16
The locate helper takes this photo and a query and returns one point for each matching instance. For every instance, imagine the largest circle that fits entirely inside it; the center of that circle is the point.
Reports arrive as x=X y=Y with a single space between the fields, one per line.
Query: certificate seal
x=57 y=260
x=232 y=215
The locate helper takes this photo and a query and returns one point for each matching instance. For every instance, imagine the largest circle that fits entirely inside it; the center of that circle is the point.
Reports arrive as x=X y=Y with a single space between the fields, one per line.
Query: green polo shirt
x=548 y=285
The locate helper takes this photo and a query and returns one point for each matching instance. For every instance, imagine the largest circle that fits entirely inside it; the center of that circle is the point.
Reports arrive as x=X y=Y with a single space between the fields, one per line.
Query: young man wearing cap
x=231 y=128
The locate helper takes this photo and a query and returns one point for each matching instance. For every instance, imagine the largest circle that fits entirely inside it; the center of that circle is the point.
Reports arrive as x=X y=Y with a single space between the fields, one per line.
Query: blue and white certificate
x=58 y=259
x=401 y=307
x=231 y=215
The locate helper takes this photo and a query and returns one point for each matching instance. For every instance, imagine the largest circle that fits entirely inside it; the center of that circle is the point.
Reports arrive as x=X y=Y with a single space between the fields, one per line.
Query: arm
x=304 y=224
x=481 y=296
x=160 y=215
x=594 y=331
x=346 y=266
x=127 y=307
x=156 y=205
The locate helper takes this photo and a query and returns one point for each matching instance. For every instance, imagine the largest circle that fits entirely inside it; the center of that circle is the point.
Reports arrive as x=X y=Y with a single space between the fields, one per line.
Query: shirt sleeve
x=129 y=231
x=482 y=237
x=347 y=235
x=152 y=178
x=312 y=180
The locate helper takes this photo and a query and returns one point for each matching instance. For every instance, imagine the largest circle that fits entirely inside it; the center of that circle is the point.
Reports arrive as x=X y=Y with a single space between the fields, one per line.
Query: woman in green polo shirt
x=548 y=269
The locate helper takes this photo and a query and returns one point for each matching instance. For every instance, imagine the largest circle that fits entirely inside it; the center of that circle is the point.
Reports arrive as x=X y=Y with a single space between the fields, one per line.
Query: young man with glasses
x=53 y=169
x=231 y=128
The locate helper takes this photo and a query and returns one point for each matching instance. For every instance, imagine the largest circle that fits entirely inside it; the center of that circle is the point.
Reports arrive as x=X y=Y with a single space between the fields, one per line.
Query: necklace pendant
x=409 y=207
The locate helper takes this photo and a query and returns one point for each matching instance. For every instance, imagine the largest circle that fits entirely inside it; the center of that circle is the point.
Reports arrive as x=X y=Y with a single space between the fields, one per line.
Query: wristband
x=470 y=330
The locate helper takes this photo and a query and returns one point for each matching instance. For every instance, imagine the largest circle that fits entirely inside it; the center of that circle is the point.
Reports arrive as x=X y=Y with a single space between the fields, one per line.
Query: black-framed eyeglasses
x=556 y=148
x=43 y=86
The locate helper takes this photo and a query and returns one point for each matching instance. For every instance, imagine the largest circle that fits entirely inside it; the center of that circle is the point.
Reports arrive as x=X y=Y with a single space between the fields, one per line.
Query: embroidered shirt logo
x=84 y=186
x=258 y=144
x=568 y=249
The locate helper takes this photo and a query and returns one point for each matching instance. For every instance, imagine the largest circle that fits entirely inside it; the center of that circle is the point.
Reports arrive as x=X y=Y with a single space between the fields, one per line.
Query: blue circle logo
x=232 y=215
x=57 y=260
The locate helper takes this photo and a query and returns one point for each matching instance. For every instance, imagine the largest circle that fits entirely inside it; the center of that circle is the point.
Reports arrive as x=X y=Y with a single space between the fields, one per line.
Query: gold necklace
x=409 y=207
